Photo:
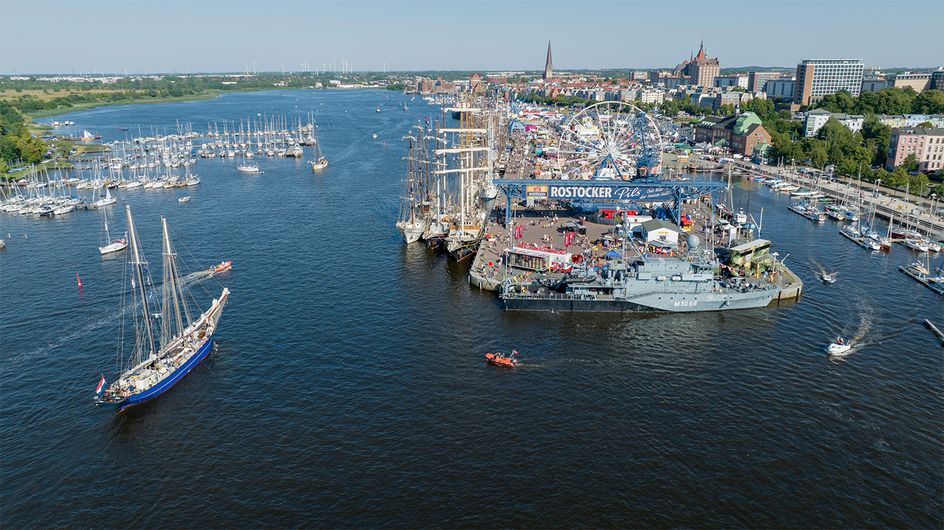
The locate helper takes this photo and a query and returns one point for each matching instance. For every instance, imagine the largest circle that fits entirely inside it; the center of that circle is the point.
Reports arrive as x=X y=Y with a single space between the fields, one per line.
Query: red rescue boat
x=500 y=359
x=222 y=266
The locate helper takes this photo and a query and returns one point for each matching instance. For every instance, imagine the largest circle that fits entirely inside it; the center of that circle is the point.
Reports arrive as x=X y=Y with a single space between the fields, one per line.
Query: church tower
x=548 y=65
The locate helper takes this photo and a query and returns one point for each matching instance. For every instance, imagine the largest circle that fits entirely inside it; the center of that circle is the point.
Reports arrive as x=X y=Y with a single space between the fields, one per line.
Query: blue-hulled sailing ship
x=167 y=344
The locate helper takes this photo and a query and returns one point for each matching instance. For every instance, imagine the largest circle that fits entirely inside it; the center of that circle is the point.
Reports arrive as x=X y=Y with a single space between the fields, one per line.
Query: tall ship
x=415 y=213
x=466 y=154
x=681 y=284
x=169 y=343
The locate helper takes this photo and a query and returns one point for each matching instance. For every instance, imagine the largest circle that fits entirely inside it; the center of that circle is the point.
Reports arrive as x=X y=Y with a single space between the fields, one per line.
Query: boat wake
x=857 y=341
x=96 y=324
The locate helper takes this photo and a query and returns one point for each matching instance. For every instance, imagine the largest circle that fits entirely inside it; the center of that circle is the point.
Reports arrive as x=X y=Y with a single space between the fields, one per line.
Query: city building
x=743 y=133
x=726 y=81
x=937 y=79
x=815 y=119
x=700 y=70
x=779 y=88
x=926 y=144
x=659 y=231
x=918 y=82
x=548 y=65
x=912 y=120
x=816 y=78
x=873 y=85
x=757 y=81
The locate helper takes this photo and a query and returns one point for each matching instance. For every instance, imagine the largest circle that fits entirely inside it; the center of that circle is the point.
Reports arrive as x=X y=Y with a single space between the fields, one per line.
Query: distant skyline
x=176 y=36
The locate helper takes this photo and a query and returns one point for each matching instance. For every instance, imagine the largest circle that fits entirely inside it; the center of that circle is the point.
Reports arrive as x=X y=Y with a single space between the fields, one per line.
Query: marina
x=329 y=329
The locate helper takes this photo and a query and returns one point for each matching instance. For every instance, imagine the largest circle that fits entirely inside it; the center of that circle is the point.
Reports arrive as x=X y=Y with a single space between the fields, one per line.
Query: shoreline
x=78 y=107
x=210 y=94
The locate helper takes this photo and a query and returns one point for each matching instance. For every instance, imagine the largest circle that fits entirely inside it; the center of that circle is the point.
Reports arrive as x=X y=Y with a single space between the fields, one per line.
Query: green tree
x=918 y=184
x=880 y=135
x=897 y=178
x=929 y=102
x=818 y=155
x=910 y=164
x=926 y=125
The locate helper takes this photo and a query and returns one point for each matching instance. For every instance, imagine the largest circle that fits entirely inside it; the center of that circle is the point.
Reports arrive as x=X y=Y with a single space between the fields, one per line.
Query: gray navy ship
x=651 y=284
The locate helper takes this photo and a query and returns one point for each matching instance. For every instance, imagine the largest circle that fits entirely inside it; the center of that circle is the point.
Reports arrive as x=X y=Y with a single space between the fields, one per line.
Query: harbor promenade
x=888 y=207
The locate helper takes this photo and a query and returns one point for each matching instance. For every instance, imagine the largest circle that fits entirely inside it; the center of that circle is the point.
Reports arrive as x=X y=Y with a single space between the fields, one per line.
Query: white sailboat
x=106 y=200
x=112 y=245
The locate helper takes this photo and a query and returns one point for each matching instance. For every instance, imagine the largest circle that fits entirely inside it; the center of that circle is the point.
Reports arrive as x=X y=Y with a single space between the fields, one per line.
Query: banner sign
x=536 y=191
x=615 y=192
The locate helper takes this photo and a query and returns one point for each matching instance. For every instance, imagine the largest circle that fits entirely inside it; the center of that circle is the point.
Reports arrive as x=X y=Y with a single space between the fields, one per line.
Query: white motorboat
x=184 y=199
x=839 y=347
x=248 y=168
x=828 y=277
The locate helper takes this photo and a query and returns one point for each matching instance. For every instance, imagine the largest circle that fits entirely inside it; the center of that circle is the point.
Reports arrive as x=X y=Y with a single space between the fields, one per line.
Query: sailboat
x=320 y=162
x=165 y=348
x=112 y=245
x=248 y=168
x=106 y=200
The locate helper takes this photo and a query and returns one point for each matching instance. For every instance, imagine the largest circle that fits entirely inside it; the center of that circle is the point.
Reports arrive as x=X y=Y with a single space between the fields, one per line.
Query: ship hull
x=655 y=303
x=165 y=384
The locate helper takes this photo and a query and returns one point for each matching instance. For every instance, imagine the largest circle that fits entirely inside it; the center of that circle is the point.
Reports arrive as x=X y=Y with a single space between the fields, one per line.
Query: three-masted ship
x=167 y=344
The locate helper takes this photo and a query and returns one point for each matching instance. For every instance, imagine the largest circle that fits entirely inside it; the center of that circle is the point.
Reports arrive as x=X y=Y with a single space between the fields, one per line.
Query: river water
x=348 y=387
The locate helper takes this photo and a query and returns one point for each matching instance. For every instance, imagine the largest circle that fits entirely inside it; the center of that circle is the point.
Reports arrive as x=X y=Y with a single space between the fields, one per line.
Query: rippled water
x=348 y=387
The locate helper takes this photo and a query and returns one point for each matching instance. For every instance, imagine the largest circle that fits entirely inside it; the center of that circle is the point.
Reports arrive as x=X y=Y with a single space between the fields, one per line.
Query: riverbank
x=210 y=94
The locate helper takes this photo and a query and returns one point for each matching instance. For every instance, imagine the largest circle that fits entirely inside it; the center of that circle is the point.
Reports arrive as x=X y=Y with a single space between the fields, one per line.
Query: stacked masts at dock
x=448 y=188
x=263 y=135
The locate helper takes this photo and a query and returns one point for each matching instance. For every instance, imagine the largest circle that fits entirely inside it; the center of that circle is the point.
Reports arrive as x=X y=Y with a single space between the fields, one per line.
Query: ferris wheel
x=610 y=140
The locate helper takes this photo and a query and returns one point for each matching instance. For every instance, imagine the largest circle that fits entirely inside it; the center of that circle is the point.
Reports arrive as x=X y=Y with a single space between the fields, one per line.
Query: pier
x=890 y=208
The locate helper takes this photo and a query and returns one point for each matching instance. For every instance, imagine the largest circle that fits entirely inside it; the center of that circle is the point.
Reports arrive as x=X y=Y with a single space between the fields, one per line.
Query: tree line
x=17 y=145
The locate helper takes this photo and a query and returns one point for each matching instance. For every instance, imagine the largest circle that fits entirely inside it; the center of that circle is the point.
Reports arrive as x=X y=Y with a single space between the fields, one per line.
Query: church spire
x=701 y=50
x=549 y=64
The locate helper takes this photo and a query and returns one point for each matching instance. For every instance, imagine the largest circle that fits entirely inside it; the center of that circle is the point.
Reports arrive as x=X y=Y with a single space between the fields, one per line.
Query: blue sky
x=215 y=35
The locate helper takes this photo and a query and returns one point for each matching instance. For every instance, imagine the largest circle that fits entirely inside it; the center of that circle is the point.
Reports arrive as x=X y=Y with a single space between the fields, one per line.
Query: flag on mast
x=101 y=386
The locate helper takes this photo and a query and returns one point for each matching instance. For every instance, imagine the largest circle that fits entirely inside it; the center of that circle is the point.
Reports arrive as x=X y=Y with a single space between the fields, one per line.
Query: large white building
x=816 y=78
x=815 y=119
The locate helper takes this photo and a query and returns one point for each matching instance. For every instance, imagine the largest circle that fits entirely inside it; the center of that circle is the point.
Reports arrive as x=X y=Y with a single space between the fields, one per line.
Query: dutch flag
x=101 y=386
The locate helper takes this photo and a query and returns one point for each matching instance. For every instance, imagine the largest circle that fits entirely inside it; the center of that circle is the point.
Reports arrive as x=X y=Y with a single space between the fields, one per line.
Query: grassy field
x=82 y=106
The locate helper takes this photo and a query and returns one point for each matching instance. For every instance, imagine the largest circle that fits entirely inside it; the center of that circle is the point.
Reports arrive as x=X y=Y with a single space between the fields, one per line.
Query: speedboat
x=838 y=347
x=502 y=360
x=221 y=266
x=184 y=199
x=828 y=277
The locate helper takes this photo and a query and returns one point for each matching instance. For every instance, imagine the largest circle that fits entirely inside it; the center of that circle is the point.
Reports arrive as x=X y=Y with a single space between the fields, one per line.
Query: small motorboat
x=838 y=347
x=222 y=266
x=184 y=199
x=374 y=136
x=500 y=359
x=828 y=277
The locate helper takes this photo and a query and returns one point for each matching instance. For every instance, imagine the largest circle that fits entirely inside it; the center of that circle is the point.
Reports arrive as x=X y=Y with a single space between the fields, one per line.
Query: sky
x=186 y=36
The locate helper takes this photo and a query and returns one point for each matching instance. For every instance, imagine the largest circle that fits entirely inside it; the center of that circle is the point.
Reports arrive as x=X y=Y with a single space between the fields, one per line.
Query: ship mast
x=139 y=265
x=173 y=295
